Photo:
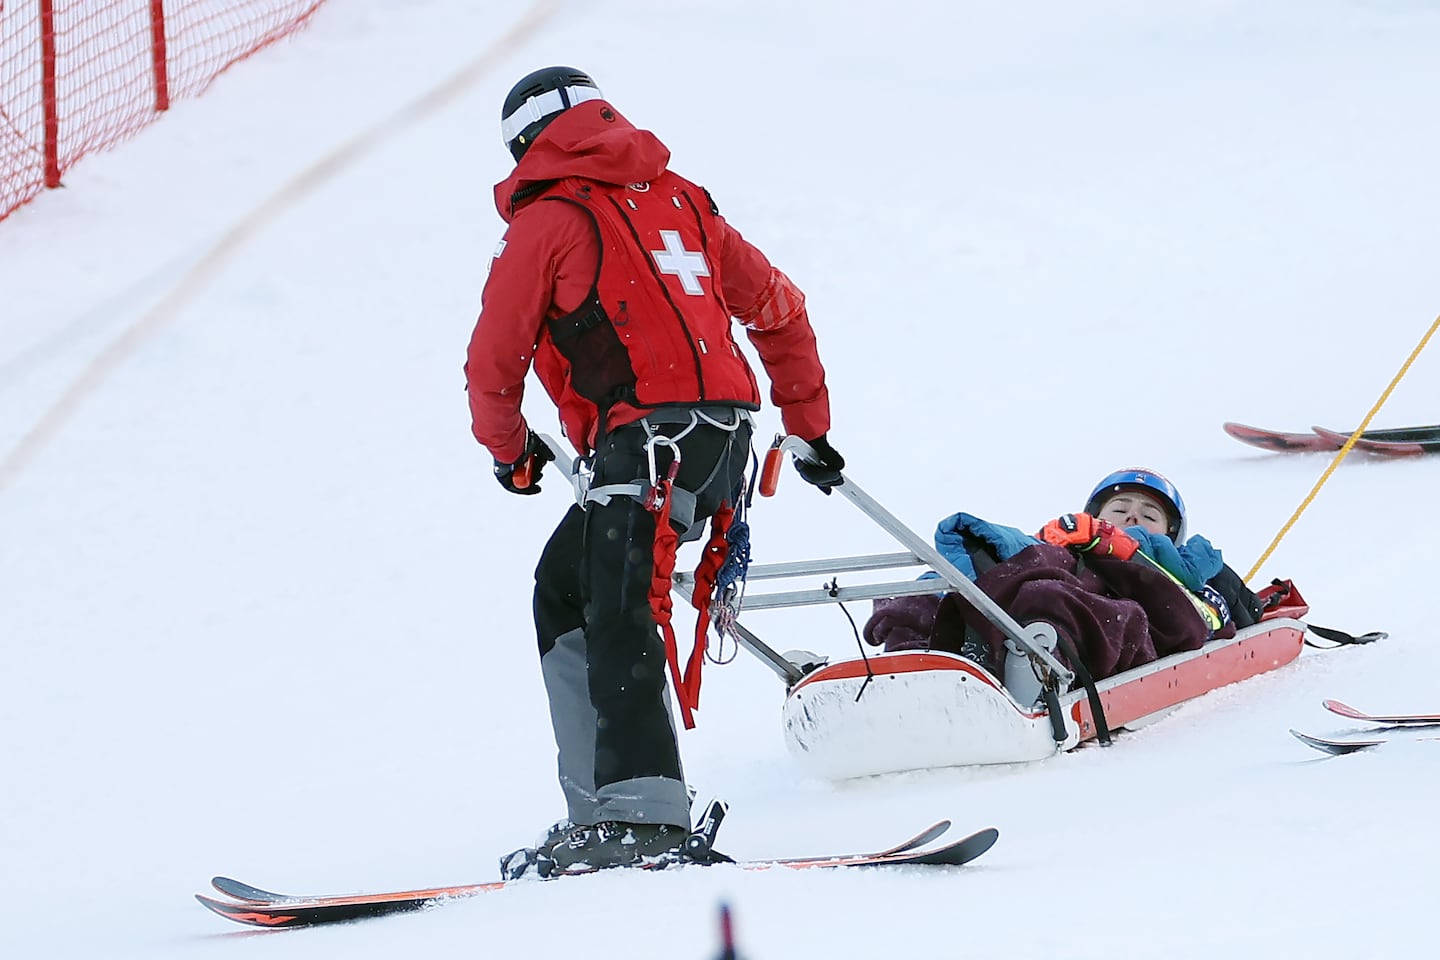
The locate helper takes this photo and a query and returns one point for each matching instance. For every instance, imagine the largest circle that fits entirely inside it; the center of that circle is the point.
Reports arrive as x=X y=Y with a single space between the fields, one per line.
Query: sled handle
x=1029 y=638
x=770 y=473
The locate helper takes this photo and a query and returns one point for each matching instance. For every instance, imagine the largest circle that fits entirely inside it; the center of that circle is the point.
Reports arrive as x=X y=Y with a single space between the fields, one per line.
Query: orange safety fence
x=78 y=76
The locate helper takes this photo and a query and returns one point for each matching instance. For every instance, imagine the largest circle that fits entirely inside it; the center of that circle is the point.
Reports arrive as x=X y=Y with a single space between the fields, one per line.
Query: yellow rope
x=1344 y=451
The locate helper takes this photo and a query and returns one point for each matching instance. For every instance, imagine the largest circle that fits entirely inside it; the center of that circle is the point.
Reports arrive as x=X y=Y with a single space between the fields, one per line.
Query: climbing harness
x=725 y=555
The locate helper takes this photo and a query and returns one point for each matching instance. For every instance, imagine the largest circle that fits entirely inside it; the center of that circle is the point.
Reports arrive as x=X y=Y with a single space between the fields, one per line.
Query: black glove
x=826 y=473
x=523 y=476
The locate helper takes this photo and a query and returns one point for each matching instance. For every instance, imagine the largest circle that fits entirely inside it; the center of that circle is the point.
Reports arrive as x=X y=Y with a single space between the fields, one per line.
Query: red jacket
x=545 y=267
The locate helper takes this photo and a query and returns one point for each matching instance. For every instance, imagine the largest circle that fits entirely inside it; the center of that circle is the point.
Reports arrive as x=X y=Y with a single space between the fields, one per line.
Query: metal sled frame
x=1037 y=638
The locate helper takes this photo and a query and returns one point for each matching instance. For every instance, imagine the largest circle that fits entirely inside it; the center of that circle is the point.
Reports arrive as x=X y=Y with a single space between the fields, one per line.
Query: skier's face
x=1131 y=508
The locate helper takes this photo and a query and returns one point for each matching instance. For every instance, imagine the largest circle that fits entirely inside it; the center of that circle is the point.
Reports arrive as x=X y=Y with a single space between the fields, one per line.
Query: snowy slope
x=265 y=613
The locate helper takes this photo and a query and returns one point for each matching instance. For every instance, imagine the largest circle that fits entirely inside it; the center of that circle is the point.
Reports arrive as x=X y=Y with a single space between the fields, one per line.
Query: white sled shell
x=917 y=709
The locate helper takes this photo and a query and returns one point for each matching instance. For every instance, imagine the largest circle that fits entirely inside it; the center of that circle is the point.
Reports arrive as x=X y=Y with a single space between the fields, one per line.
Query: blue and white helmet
x=1148 y=481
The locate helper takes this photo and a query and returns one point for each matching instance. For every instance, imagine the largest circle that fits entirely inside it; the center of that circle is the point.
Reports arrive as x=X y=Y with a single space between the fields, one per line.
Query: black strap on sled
x=1340 y=637
x=1097 y=709
x=1052 y=707
x=983 y=557
x=1337 y=638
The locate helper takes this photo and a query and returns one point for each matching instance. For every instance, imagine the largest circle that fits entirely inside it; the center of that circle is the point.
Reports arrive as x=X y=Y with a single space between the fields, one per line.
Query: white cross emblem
x=685 y=264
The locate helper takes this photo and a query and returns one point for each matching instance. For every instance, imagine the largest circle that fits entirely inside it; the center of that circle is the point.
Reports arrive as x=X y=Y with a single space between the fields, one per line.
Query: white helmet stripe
x=542 y=106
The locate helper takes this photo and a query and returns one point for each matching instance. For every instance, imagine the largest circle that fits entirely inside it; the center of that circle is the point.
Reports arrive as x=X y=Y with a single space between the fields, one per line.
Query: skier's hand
x=523 y=475
x=1080 y=531
x=826 y=473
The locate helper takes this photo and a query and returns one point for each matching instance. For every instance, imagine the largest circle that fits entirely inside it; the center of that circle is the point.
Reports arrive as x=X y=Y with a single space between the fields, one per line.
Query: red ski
x=1393 y=719
x=1277 y=441
x=239 y=890
x=1402 y=441
x=261 y=909
x=1398 y=443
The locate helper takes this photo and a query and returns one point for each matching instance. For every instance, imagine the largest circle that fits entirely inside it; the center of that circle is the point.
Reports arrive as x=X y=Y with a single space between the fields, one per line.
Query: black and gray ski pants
x=601 y=653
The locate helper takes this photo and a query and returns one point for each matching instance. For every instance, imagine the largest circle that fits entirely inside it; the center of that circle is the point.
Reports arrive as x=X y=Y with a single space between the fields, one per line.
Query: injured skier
x=1120 y=582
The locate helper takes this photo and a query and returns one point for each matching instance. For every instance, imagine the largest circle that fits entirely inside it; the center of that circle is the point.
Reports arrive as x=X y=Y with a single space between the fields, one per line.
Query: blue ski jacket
x=1193 y=562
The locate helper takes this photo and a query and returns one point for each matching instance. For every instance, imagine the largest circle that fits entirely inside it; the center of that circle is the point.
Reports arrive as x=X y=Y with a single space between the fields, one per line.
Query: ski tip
x=251 y=914
x=248 y=893
x=226 y=884
x=956 y=854
x=1336 y=748
x=1313 y=742
x=1276 y=441
x=982 y=840
x=225 y=910
x=1344 y=709
x=1237 y=430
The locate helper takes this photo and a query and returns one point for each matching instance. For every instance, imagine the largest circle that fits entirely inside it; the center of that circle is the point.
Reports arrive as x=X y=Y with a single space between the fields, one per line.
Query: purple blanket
x=1118 y=614
x=903 y=623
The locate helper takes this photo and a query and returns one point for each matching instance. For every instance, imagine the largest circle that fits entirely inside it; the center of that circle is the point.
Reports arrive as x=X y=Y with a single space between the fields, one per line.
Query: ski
x=1277 y=441
x=1392 y=719
x=1397 y=443
x=248 y=893
x=1401 y=441
x=312 y=911
x=1339 y=748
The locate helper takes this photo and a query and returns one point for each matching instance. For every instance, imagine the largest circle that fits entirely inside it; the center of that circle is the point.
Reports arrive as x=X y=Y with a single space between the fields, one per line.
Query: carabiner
x=659 y=489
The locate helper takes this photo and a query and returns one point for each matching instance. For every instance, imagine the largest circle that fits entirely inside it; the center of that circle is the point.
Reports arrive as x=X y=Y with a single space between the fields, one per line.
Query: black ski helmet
x=539 y=98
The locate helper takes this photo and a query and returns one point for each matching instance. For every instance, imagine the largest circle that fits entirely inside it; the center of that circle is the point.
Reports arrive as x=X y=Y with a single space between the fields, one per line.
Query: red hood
x=590 y=140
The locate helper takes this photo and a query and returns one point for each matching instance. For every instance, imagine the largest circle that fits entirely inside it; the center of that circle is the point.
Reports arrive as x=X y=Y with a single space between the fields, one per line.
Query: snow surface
x=265 y=613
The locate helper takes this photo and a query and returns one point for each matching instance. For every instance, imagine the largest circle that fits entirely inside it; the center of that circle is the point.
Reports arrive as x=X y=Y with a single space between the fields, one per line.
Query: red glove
x=1080 y=531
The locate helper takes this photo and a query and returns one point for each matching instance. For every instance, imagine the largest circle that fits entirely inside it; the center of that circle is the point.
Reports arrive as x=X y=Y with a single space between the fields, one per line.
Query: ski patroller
x=1401 y=441
x=262 y=908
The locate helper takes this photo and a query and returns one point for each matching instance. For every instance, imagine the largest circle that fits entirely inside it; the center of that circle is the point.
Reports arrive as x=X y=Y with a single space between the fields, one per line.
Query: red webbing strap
x=666 y=543
x=711 y=560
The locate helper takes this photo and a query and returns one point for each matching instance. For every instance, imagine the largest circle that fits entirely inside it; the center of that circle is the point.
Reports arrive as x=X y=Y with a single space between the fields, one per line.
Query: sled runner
x=919 y=709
